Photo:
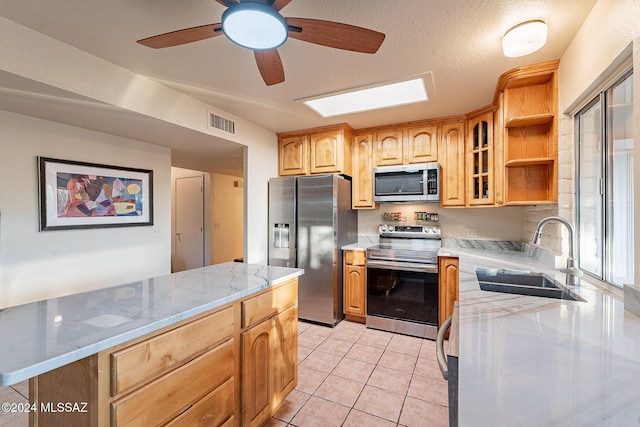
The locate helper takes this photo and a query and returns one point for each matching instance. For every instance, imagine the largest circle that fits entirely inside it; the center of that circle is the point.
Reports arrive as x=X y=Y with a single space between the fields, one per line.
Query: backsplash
x=503 y=223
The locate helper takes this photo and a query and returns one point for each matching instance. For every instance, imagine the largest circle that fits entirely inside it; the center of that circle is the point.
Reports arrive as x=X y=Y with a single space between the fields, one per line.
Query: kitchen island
x=161 y=350
x=533 y=361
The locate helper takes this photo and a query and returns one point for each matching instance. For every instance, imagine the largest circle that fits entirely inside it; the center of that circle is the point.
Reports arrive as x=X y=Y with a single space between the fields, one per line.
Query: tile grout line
x=393 y=338
x=366 y=383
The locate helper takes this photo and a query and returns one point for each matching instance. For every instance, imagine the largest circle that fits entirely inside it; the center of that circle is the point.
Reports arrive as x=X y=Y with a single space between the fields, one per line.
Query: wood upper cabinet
x=530 y=138
x=448 y=283
x=315 y=151
x=421 y=145
x=355 y=286
x=362 y=183
x=452 y=173
x=503 y=154
x=498 y=153
x=292 y=155
x=480 y=165
x=330 y=151
x=389 y=147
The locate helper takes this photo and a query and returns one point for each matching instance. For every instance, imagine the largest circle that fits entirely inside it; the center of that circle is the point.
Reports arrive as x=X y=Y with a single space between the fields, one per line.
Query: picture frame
x=76 y=195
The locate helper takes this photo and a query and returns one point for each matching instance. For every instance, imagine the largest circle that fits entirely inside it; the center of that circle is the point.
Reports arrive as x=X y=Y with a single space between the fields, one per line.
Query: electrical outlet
x=156 y=232
x=473 y=231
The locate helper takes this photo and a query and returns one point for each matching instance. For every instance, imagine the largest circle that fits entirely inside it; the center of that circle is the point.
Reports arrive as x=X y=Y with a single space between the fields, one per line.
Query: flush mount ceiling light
x=371 y=98
x=254 y=26
x=524 y=39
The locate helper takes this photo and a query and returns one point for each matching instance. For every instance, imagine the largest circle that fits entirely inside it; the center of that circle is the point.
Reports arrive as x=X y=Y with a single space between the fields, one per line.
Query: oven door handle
x=440 y=355
x=402 y=266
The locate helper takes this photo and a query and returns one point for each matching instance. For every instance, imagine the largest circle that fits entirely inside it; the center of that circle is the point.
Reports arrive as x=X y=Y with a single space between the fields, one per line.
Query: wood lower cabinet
x=233 y=366
x=448 y=283
x=269 y=370
x=257 y=373
x=355 y=286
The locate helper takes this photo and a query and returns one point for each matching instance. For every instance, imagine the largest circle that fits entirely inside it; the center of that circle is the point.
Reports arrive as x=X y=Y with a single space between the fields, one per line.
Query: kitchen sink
x=522 y=282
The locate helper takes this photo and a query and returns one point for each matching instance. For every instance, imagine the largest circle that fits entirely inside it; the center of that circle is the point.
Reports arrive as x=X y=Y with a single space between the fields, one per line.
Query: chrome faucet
x=572 y=272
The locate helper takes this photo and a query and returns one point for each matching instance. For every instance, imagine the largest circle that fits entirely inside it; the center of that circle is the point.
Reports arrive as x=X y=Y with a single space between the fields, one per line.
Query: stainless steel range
x=402 y=280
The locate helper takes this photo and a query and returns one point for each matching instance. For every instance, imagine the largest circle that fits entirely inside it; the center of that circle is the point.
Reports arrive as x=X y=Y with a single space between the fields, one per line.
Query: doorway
x=189 y=241
x=207 y=218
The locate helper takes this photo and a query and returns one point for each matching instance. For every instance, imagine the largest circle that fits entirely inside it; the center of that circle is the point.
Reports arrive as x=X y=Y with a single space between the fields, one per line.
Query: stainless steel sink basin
x=522 y=282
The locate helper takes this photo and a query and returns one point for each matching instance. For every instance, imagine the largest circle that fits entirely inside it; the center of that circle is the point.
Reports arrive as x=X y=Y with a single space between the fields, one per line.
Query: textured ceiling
x=457 y=41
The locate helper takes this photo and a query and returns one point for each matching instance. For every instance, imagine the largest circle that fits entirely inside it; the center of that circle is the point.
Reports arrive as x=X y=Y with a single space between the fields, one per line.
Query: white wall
x=503 y=223
x=227 y=219
x=611 y=27
x=35 y=265
x=33 y=55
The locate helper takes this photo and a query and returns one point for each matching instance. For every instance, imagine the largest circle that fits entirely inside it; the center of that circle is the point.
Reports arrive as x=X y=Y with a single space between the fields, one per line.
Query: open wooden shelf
x=530 y=162
x=528 y=183
x=530 y=202
x=532 y=120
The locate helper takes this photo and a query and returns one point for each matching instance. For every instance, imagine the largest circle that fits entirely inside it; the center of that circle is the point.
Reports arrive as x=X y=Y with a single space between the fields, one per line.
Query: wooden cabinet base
x=357 y=318
x=182 y=375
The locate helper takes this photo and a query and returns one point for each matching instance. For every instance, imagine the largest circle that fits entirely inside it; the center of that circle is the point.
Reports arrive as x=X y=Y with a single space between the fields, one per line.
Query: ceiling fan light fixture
x=254 y=26
x=524 y=38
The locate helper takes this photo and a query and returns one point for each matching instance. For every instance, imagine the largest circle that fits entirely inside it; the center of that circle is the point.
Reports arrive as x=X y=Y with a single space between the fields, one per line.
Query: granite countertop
x=41 y=336
x=532 y=361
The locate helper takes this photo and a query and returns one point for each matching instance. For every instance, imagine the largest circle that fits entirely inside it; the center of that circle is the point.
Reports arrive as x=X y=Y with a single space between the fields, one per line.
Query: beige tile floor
x=354 y=376
x=348 y=376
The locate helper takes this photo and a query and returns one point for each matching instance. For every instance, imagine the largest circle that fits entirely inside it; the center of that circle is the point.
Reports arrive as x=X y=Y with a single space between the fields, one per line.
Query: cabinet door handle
x=442 y=358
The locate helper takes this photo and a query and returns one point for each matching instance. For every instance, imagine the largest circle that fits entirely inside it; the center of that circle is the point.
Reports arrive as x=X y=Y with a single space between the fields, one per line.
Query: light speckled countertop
x=364 y=241
x=531 y=361
x=41 y=336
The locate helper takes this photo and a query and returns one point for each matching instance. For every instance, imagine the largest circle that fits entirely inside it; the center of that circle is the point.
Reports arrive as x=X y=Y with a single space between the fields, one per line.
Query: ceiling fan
x=258 y=25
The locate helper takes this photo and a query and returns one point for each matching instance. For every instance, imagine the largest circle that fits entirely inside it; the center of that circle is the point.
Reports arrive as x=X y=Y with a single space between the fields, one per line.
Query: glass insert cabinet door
x=480 y=158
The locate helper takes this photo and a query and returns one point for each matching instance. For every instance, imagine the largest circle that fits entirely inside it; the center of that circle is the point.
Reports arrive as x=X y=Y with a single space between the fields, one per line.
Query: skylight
x=371 y=98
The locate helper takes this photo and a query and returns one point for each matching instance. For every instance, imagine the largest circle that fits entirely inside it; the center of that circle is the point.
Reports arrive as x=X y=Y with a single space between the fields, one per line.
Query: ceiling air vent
x=221 y=123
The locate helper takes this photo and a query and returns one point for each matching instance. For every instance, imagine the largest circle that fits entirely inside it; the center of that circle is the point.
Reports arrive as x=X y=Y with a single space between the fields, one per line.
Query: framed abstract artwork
x=88 y=195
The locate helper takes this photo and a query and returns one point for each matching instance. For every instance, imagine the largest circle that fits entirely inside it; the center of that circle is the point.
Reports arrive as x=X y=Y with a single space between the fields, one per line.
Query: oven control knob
x=383 y=228
x=390 y=229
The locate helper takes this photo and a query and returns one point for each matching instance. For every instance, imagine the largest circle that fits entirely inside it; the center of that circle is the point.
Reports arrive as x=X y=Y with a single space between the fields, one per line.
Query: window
x=605 y=184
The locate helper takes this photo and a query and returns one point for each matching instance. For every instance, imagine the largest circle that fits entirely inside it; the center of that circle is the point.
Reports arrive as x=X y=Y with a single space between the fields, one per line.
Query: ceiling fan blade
x=279 y=4
x=187 y=35
x=270 y=66
x=335 y=34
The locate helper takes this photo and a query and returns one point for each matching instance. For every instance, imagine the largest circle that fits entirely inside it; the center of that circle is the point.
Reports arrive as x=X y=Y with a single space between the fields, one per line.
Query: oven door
x=402 y=297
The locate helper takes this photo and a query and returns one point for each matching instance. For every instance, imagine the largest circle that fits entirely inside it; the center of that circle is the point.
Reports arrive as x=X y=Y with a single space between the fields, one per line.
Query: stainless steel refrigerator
x=310 y=219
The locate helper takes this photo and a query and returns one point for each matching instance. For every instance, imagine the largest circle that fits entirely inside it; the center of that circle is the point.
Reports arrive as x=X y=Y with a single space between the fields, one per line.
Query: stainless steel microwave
x=407 y=183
